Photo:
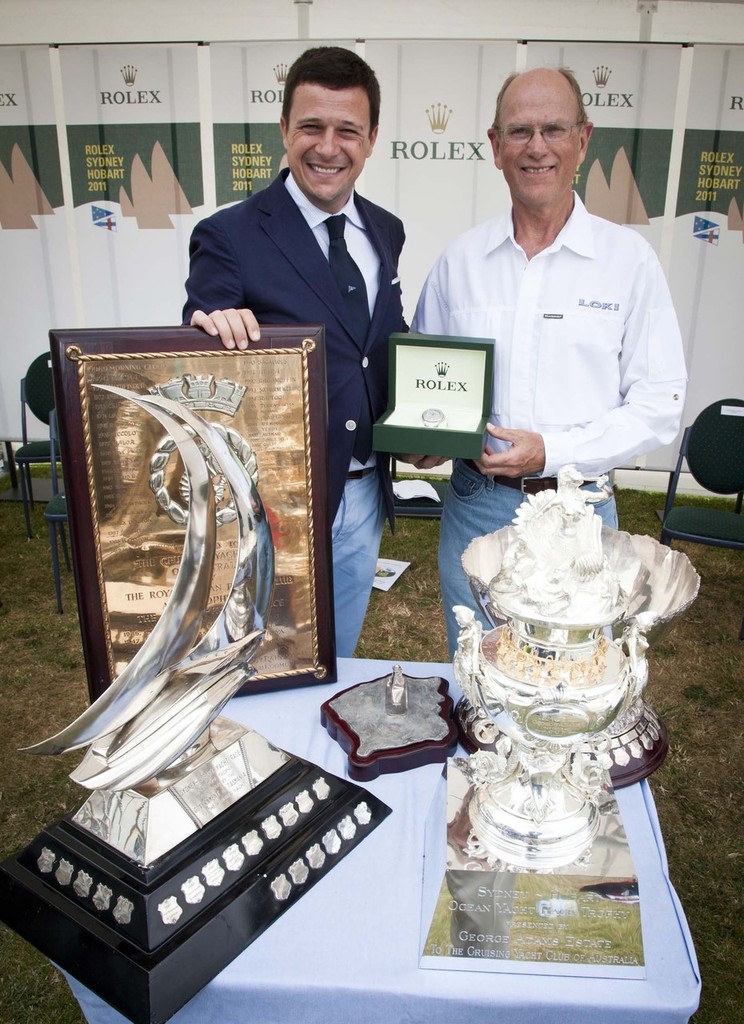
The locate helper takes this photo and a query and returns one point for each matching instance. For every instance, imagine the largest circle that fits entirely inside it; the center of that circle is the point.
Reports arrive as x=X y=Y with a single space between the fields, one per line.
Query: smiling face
x=540 y=174
x=328 y=139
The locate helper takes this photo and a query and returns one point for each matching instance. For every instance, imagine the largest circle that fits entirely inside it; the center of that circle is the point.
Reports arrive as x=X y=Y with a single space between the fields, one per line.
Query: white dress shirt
x=588 y=350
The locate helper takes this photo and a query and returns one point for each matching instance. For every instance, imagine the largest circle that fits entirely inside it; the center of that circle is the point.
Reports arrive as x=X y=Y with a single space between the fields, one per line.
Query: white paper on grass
x=387 y=572
x=407 y=489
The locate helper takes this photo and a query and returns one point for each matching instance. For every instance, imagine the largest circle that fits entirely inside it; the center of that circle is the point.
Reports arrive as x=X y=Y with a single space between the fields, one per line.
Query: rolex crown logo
x=442 y=369
x=601 y=76
x=439 y=115
x=280 y=71
x=129 y=73
x=202 y=391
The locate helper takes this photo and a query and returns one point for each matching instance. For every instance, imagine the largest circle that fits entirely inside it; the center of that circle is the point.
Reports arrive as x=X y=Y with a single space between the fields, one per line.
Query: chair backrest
x=37 y=388
x=54 y=449
x=715 y=447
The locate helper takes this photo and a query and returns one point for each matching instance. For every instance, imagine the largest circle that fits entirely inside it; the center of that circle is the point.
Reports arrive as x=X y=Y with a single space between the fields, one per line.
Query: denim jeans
x=475 y=505
x=356 y=534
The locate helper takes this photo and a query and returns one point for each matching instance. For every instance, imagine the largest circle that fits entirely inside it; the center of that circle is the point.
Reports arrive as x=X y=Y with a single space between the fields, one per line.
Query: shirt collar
x=315 y=216
x=575 y=234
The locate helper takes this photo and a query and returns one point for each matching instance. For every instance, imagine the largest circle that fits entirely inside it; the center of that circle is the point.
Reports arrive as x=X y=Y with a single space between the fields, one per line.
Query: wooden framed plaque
x=128 y=495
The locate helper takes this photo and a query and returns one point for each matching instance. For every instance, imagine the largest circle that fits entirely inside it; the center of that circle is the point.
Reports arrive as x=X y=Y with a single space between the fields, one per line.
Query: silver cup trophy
x=543 y=689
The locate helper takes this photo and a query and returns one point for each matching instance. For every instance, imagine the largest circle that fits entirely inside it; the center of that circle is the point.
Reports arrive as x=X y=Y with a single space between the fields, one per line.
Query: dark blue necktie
x=348 y=278
x=354 y=291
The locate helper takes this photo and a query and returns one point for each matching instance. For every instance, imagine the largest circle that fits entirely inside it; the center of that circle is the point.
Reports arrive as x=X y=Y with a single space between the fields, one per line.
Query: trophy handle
x=603 y=492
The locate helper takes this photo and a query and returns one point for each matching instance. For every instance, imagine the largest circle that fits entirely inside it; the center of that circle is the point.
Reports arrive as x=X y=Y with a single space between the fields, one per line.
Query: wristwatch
x=432 y=417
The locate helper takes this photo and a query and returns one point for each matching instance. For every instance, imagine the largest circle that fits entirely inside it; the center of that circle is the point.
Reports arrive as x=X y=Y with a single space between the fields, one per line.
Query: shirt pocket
x=486 y=322
x=578 y=369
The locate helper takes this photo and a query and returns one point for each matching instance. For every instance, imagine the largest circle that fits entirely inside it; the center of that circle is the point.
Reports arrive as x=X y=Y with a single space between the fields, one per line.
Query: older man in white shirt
x=589 y=367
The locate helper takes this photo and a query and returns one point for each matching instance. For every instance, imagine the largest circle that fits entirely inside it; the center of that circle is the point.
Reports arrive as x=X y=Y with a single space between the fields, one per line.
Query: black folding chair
x=55 y=514
x=37 y=394
x=713 y=448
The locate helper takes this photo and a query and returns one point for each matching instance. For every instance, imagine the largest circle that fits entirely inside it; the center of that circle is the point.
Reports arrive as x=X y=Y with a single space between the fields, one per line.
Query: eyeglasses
x=521 y=134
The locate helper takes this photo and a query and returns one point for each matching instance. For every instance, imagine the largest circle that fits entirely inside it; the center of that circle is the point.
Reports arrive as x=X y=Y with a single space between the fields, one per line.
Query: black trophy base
x=147 y=939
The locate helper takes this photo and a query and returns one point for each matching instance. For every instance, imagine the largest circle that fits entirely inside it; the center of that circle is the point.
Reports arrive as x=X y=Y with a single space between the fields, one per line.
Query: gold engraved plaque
x=128 y=493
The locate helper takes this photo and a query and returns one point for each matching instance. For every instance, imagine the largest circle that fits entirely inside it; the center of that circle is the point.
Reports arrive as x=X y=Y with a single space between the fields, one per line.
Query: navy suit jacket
x=261 y=255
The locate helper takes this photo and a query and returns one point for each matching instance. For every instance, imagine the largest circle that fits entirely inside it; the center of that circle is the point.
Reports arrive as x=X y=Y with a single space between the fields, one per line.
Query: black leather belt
x=525 y=484
x=357 y=474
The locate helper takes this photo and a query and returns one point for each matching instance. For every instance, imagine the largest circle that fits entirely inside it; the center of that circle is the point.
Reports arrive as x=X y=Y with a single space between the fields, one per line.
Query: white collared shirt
x=356 y=237
x=587 y=352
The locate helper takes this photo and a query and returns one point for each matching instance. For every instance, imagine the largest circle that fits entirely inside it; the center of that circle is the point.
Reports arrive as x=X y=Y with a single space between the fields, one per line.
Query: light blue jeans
x=356 y=534
x=474 y=506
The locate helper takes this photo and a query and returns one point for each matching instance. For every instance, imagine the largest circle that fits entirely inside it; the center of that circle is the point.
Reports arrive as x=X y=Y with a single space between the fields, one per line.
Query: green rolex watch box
x=440 y=391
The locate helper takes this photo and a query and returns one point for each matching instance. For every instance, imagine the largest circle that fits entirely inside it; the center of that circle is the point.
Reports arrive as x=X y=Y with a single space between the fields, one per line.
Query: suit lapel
x=289 y=231
x=386 y=268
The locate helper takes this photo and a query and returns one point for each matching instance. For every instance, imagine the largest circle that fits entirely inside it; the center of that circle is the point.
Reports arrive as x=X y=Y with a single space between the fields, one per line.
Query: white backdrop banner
x=149 y=156
x=35 y=285
x=708 y=256
x=432 y=164
x=133 y=134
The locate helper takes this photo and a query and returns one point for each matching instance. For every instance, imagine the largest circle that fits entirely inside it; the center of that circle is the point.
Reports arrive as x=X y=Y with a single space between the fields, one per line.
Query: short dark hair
x=567 y=74
x=333 y=67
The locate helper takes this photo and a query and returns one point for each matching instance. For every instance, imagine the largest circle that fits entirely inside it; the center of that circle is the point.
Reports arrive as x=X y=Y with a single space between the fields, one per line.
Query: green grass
x=696 y=683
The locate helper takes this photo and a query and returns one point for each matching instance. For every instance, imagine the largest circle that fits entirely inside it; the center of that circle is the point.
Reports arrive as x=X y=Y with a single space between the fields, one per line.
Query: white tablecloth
x=349 y=949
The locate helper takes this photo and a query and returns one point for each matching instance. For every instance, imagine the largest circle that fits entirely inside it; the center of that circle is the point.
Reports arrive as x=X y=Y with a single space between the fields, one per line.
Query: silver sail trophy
x=547 y=686
x=197 y=833
x=154 y=736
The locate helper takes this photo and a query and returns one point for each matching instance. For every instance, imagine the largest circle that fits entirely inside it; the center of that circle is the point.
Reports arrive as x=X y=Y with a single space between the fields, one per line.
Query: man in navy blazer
x=266 y=259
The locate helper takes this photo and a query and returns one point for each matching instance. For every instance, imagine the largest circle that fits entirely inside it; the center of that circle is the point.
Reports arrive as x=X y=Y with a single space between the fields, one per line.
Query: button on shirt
x=588 y=350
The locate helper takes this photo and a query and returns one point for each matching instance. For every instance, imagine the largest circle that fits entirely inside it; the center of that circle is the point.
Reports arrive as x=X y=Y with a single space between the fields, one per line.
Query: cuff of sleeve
x=556 y=454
